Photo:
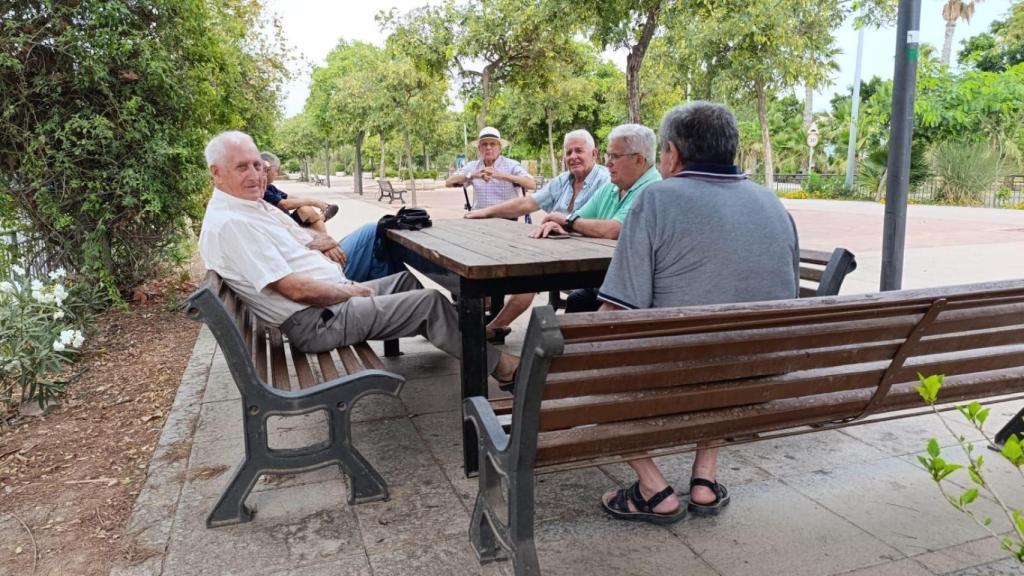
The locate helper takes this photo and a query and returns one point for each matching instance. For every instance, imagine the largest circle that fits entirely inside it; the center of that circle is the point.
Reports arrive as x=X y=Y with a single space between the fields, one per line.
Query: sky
x=313 y=28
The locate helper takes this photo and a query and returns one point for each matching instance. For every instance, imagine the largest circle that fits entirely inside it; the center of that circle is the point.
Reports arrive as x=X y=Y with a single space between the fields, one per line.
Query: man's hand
x=475 y=214
x=356 y=290
x=548 y=229
x=556 y=217
x=336 y=254
x=321 y=242
x=485 y=174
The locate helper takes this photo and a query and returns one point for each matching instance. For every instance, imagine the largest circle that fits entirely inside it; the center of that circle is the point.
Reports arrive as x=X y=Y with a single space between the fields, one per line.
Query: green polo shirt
x=605 y=204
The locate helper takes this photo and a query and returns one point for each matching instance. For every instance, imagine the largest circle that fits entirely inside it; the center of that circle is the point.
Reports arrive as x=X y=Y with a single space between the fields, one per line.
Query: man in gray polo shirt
x=703 y=235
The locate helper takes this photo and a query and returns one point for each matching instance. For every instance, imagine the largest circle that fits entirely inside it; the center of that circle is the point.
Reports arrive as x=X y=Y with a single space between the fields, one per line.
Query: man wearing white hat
x=493 y=176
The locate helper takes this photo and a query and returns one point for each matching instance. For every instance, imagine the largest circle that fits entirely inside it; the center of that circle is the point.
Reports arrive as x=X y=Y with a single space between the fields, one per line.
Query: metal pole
x=897 y=181
x=851 y=150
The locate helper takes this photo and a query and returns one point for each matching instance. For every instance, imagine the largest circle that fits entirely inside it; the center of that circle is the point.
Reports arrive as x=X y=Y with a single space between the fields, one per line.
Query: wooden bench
x=317 y=180
x=387 y=190
x=596 y=388
x=274 y=379
x=821 y=274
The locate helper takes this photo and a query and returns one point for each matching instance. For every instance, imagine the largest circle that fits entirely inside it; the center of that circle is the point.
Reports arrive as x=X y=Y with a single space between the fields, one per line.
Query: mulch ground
x=69 y=477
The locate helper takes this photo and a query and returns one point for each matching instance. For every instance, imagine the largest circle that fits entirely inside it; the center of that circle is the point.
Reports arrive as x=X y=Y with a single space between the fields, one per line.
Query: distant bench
x=603 y=387
x=387 y=190
x=270 y=385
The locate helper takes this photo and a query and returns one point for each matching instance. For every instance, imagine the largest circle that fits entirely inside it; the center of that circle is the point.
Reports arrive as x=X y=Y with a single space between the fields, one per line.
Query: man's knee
x=581 y=300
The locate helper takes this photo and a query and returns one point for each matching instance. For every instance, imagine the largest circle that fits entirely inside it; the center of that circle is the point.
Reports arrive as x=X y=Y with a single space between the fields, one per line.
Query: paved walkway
x=848 y=502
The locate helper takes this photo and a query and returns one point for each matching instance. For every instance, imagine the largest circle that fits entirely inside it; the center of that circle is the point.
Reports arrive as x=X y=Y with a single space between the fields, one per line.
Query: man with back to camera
x=703 y=235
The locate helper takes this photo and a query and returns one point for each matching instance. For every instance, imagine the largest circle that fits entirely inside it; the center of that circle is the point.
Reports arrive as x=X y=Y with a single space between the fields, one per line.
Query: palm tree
x=953 y=11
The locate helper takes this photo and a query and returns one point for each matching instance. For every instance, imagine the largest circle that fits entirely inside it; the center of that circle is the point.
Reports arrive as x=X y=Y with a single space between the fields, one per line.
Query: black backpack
x=405 y=219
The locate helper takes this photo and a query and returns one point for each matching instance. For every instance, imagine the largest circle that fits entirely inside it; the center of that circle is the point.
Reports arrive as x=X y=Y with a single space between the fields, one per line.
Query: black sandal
x=711 y=508
x=618 y=506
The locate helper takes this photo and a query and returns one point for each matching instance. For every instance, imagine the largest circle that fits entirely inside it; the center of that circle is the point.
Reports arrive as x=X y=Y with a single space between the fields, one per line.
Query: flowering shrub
x=37 y=337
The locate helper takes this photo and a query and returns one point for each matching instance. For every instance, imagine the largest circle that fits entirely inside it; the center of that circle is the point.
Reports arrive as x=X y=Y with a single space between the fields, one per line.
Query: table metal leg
x=474 y=368
x=1014 y=426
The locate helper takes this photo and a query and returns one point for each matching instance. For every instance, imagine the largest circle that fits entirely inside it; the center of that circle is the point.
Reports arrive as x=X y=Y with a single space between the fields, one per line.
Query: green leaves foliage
x=107 y=105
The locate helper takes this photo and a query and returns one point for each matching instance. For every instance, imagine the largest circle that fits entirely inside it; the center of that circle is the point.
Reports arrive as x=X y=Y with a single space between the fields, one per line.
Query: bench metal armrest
x=479 y=411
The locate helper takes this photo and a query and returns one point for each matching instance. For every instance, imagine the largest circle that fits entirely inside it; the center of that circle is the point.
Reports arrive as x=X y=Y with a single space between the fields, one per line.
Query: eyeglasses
x=610 y=157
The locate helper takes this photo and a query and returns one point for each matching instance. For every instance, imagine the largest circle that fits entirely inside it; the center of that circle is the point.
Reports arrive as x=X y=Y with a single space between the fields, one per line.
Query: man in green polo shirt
x=630 y=161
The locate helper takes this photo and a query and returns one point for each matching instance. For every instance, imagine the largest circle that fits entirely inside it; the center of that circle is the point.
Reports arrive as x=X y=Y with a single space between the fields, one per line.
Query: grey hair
x=581 y=134
x=702 y=132
x=217 y=150
x=637 y=138
x=272 y=158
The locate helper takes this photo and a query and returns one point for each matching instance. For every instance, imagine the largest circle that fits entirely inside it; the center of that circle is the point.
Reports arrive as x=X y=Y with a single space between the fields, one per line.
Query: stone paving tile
x=426 y=361
x=293 y=527
x=442 y=433
x=394 y=448
x=797 y=455
x=893 y=500
x=433 y=394
x=1007 y=567
x=911 y=435
x=220 y=386
x=969 y=554
x=770 y=528
x=431 y=557
x=377 y=407
x=1002 y=476
x=905 y=567
x=350 y=566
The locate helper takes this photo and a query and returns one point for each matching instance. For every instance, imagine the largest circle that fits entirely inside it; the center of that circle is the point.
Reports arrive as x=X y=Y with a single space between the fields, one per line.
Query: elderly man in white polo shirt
x=494 y=177
x=288 y=278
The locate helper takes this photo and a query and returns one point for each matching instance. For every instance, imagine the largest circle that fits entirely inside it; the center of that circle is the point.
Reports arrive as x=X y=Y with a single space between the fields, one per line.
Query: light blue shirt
x=557 y=193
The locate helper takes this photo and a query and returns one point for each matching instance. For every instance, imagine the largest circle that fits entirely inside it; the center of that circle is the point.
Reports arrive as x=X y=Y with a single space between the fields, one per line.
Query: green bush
x=965 y=170
x=292 y=165
x=426 y=174
x=108 y=105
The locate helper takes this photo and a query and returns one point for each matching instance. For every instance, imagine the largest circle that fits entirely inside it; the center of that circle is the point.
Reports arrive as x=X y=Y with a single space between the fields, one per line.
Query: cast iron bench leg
x=365 y=483
x=391 y=348
x=231 y=508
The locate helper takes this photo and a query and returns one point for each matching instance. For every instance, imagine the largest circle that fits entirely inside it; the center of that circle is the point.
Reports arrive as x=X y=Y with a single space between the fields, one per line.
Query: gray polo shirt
x=704 y=238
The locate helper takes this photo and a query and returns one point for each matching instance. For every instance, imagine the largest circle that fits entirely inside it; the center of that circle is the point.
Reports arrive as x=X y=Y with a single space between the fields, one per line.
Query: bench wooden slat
x=586 y=443
x=303 y=371
x=327 y=366
x=806 y=292
x=259 y=351
x=278 y=361
x=810 y=274
x=349 y=360
x=368 y=356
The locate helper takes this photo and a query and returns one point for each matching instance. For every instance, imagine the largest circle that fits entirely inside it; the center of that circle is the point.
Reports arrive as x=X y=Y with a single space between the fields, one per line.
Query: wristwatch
x=570 y=221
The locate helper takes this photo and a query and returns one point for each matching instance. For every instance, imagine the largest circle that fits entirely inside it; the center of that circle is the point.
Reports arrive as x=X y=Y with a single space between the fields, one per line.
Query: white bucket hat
x=491 y=133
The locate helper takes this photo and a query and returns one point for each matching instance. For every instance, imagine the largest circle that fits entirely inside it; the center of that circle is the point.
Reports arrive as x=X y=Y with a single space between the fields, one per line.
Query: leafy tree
x=347 y=100
x=1001 y=47
x=296 y=138
x=107 y=105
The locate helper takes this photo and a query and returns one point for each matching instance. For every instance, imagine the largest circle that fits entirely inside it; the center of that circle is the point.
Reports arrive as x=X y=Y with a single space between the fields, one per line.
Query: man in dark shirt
x=306 y=212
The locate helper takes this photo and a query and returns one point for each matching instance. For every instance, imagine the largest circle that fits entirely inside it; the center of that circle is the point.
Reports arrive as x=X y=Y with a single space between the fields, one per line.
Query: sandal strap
x=713 y=485
x=647 y=506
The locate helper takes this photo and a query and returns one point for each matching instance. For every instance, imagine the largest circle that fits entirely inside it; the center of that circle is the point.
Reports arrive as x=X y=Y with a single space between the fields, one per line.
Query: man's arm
x=525 y=182
x=291 y=203
x=306 y=290
x=609 y=307
x=593 y=228
x=513 y=208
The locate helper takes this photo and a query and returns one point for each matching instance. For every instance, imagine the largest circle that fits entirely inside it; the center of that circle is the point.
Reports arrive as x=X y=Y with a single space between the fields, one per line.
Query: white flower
x=58 y=273
x=42 y=297
x=66 y=336
x=6 y=286
x=58 y=346
x=37 y=285
x=59 y=294
x=78 y=340
x=58 y=314
x=18 y=270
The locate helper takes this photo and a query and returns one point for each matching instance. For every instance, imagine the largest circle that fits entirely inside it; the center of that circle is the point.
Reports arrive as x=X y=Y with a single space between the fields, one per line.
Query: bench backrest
x=822 y=273
x=256 y=350
x=598 y=385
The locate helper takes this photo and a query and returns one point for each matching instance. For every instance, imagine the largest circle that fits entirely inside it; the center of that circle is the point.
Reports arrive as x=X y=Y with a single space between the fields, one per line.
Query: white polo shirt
x=252 y=244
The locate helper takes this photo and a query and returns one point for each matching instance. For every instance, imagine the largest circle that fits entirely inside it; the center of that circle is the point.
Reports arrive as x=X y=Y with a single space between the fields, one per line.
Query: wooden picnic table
x=478 y=258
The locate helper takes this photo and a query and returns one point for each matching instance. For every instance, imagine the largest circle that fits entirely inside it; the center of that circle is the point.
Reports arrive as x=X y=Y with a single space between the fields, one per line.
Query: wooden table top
x=498 y=248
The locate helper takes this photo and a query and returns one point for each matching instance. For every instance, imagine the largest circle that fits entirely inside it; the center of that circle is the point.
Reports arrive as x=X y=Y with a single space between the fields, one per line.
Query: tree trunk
x=766 y=140
x=358 y=171
x=408 y=165
x=327 y=164
x=382 y=174
x=947 y=42
x=485 y=86
x=808 y=119
x=636 y=58
x=551 y=143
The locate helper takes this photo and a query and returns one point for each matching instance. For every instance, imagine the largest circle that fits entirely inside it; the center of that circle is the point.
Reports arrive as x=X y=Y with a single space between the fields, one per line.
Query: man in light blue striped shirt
x=567 y=192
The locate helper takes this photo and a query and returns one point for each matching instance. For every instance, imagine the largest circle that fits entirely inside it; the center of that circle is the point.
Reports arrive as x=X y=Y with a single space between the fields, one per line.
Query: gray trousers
x=402 y=307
